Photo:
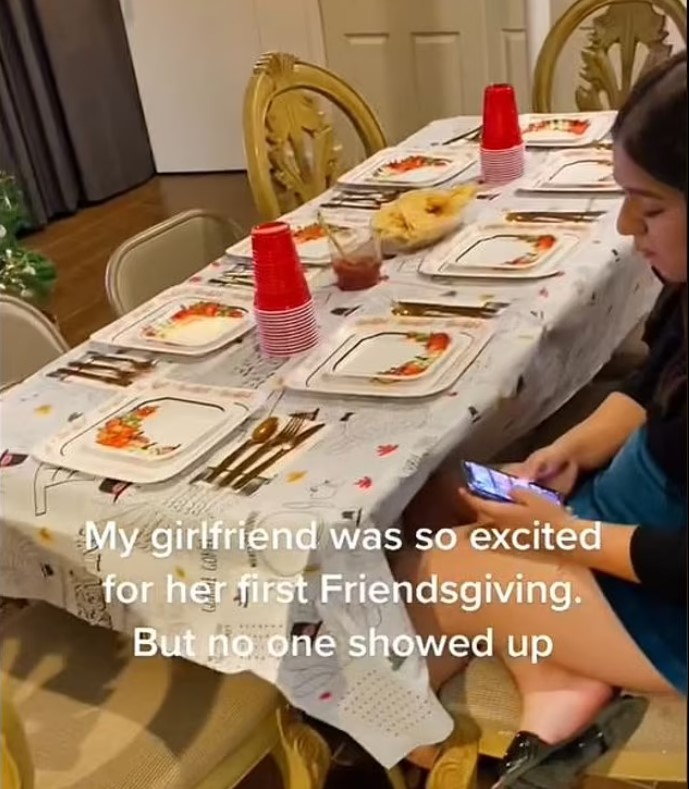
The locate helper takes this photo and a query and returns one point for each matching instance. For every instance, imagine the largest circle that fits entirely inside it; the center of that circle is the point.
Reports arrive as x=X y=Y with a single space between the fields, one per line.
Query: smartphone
x=489 y=483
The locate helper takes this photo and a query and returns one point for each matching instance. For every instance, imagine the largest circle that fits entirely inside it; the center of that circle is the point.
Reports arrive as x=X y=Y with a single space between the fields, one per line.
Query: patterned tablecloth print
x=358 y=472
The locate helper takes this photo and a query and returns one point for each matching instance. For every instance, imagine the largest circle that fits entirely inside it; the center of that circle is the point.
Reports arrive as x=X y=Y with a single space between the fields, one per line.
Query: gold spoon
x=263 y=432
x=331 y=236
x=419 y=311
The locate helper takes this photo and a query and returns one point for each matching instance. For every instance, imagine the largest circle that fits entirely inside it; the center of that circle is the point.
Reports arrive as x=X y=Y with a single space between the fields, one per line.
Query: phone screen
x=496 y=485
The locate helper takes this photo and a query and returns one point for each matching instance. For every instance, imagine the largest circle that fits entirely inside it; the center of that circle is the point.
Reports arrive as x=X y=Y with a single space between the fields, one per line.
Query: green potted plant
x=24 y=273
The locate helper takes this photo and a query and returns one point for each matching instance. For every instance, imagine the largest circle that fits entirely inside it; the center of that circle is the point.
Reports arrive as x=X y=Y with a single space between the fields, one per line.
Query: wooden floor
x=81 y=245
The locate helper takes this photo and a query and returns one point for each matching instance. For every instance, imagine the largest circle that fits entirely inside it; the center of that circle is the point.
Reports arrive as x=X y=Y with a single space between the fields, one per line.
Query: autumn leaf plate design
x=152 y=434
x=392 y=357
x=504 y=251
x=186 y=320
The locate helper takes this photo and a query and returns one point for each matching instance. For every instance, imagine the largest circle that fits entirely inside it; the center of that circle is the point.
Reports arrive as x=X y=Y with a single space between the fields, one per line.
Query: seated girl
x=624 y=466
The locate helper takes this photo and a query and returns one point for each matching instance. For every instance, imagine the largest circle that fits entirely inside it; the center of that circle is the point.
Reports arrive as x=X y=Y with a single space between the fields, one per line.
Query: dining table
x=362 y=462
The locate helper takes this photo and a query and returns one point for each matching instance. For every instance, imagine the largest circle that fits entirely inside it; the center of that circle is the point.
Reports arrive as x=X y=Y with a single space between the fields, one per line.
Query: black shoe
x=525 y=752
x=567 y=762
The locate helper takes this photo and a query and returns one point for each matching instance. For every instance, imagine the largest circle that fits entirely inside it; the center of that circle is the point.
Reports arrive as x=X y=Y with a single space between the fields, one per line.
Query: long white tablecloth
x=369 y=462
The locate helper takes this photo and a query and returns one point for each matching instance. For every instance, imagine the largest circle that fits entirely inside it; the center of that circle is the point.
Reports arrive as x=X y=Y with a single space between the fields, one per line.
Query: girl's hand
x=527 y=509
x=552 y=466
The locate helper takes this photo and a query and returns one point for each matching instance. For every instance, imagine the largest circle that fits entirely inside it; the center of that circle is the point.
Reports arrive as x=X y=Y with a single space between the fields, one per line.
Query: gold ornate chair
x=291 y=151
x=631 y=25
x=17 y=769
x=95 y=716
x=639 y=30
x=485 y=704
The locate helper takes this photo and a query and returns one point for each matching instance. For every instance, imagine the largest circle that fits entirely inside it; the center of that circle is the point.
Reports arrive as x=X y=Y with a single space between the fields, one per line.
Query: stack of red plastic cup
x=502 y=146
x=283 y=306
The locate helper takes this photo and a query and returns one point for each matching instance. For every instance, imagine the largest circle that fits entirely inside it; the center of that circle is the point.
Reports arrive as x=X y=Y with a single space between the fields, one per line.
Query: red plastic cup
x=272 y=241
x=501 y=130
x=288 y=339
x=289 y=318
x=276 y=330
x=278 y=273
x=288 y=344
x=288 y=332
x=501 y=167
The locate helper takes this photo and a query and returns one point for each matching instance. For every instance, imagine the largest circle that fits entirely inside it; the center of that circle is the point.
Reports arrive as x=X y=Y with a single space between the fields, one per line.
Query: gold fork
x=286 y=434
x=288 y=446
x=403 y=309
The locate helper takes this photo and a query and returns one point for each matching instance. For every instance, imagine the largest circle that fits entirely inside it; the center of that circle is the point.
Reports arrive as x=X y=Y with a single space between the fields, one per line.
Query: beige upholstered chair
x=165 y=255
x=485 y=704
x=98 y=718
x=636 y=29
x=291 y=152
x=29 y=341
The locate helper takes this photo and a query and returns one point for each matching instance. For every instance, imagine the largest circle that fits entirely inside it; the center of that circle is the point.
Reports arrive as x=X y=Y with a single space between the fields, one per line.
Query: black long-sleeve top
x=659 y=558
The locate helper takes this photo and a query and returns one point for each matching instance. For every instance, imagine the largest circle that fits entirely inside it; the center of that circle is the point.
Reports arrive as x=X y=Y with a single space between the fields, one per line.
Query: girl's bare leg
x=592 y=651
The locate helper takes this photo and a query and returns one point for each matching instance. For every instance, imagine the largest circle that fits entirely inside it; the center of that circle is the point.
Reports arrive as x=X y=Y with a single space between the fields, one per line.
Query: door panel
x=507 y=45
x=418 y=61
x=365 y=44
x=435 y=56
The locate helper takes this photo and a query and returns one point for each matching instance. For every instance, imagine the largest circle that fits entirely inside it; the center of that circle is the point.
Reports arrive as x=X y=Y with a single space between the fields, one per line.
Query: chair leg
x=457 y=765
x=302 y=755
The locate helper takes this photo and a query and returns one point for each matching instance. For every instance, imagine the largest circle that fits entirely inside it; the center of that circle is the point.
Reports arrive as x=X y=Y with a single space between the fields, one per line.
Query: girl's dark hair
x=651 y=127
x=652 y=124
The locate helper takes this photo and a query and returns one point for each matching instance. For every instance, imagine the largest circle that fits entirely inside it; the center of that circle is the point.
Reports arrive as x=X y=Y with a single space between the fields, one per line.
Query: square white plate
x=318 y=373
x=185 y=320
x=396 y=354
x=565 y=129
x=584 y=170
x=409 y=167
x=151 y=434
x=310 y=240
x=503 y=251
x=236 y=273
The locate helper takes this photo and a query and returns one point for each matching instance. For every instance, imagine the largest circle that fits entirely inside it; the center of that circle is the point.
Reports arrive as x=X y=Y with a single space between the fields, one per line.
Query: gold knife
x=258 y=470
x=291 y=428
x=416 y=309
x=553 y=216
x=63 y=372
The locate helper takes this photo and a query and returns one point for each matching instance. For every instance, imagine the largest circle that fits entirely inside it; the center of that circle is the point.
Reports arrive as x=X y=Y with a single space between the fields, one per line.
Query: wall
x=291 y=26
x=192 y=62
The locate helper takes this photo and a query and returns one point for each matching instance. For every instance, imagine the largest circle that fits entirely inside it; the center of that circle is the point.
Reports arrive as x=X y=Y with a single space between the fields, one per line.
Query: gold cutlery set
x=267 y=445
x=554 y=217
x=473 y=135
x=364 y=199
x=424 y=309
x=113 y=369
x=233 y=279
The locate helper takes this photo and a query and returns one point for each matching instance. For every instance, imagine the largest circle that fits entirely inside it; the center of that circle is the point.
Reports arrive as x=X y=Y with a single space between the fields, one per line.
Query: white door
x=192 y=61
x=417 y=61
